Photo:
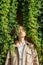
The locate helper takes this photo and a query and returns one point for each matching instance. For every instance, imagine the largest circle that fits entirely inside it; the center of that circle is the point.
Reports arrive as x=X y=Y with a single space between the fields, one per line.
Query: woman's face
x=21 y=32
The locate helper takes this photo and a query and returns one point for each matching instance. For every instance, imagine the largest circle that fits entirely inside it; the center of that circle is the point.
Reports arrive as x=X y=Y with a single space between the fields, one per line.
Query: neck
x=21 y=40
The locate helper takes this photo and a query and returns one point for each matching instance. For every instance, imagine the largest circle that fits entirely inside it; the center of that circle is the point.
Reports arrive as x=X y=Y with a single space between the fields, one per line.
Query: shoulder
x=31 y=45
x=13 y=47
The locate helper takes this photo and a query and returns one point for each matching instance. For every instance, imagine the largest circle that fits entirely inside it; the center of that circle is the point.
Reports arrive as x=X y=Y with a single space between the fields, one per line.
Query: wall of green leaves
x=24 y=12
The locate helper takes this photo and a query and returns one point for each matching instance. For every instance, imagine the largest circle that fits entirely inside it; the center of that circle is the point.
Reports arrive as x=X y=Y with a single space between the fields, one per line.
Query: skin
x=21 y=35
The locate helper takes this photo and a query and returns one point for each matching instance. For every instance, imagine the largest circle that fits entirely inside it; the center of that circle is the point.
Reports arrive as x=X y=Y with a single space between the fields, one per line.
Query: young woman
x=24 y=52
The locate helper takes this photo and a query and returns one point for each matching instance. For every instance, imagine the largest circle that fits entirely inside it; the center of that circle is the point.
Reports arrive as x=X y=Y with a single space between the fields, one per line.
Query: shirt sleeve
x=7 y=62
x=35 y=57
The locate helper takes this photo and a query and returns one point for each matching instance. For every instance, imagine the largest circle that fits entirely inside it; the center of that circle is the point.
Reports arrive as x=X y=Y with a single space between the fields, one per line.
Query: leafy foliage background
x=21 y=12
